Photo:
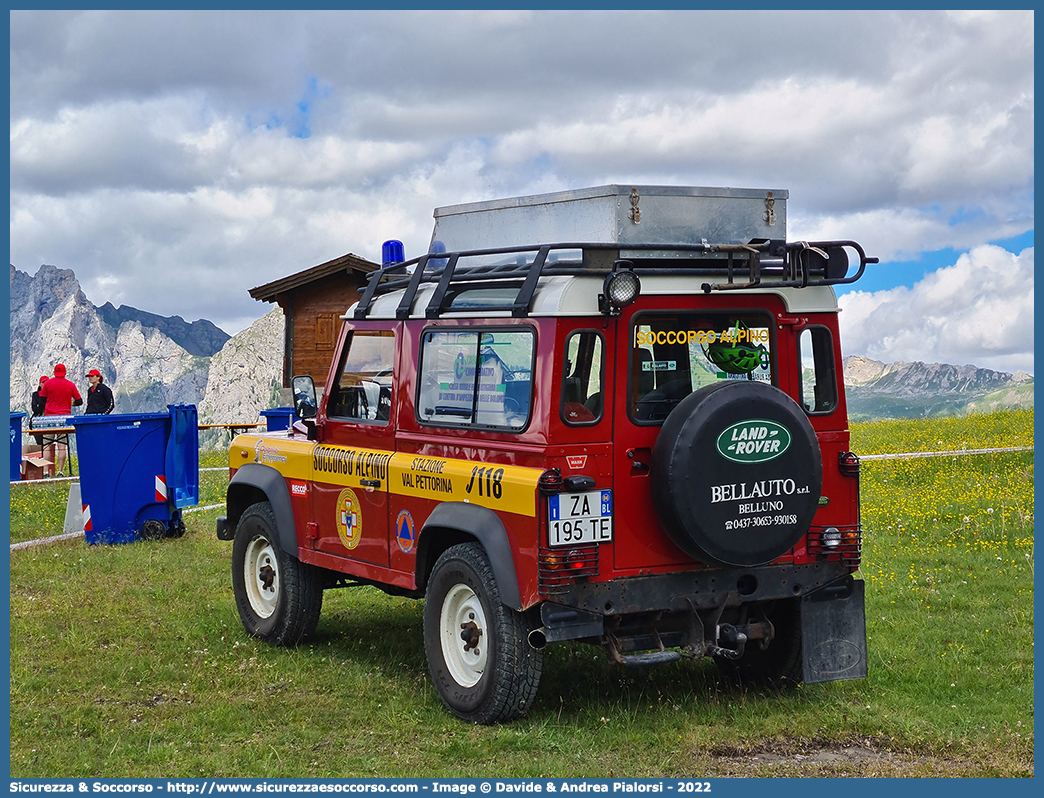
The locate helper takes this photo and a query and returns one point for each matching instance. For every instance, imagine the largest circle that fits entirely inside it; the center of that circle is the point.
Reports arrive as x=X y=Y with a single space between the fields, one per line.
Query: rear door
x=663 y=355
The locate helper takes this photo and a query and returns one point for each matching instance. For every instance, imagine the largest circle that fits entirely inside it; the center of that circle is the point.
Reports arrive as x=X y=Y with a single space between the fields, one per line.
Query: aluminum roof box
x=616 y=214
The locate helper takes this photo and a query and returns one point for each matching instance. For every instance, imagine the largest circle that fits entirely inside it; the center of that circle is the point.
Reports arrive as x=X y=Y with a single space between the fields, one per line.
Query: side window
x=582 y=397
x=476 y=378
x=818 y=377
x=364 y=391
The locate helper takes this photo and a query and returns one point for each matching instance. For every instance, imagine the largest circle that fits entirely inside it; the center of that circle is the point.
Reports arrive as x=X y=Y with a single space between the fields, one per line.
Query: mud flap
x=567 y=623
x=833 y=632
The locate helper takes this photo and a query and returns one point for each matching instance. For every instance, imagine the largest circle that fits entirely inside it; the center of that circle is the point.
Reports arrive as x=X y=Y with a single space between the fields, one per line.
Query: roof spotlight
x=620 y=289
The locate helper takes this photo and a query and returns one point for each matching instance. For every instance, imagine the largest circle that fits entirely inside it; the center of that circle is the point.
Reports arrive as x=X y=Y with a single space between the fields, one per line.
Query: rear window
x=476 y=378
x=673 y=355
x=818 y=377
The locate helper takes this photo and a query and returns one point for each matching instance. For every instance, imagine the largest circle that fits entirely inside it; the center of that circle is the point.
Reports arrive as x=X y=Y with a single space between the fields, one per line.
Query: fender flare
x=486 y=527
x=246 y=482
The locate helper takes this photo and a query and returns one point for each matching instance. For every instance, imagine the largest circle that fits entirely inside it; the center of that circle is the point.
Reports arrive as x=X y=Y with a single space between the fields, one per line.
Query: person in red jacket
x=61 y=395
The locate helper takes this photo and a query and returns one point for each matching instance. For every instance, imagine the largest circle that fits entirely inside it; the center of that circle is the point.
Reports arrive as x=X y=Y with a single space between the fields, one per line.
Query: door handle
x=370 y=483
x=639 y=460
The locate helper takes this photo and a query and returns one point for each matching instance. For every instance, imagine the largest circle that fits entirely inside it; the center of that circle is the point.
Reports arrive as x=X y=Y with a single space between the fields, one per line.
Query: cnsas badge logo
x=349 y=518
x=754 y=441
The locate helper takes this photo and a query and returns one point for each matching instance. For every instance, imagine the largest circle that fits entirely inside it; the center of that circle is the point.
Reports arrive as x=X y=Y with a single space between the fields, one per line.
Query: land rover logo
x=756 y=440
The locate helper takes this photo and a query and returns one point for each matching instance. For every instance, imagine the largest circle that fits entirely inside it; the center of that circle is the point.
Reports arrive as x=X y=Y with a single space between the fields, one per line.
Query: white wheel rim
x=261 y=575
x=462 y=613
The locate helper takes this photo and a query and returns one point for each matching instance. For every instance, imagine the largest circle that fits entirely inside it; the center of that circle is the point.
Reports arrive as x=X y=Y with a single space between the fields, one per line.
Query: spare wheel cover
x=736 y=473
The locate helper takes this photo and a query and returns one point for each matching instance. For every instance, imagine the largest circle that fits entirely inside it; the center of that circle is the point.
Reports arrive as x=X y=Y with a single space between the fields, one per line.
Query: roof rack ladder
x=435 y=308
x=371 y=288
x=525 y=293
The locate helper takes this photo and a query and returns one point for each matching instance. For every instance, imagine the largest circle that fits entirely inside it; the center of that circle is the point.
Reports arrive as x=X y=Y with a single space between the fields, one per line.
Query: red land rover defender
x=613 y=415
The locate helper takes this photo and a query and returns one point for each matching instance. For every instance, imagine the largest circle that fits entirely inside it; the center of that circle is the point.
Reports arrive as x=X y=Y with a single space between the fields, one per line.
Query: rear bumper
x=703 y=589
x=675 y=610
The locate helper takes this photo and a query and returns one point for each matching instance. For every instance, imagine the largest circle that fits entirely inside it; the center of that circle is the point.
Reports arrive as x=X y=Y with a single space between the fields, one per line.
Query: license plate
x=580 y=518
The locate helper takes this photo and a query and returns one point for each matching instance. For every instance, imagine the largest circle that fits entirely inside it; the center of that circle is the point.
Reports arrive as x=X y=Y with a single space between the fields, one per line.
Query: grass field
x=131 y=660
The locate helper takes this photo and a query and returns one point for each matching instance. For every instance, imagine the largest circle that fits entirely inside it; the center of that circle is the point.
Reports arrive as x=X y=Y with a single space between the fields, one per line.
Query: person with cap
x=99 y=397
x=60 y=395
x=37 y=404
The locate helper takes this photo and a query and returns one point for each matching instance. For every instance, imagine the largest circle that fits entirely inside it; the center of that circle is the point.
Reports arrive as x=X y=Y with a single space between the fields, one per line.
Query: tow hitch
x=729 y=641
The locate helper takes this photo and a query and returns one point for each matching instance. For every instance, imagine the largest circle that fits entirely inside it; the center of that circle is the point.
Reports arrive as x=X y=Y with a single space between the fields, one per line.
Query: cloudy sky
x=174 y=160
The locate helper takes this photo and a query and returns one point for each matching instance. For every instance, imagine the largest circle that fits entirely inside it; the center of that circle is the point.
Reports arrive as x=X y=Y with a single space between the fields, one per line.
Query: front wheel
x=480 y=660
x=279 y=598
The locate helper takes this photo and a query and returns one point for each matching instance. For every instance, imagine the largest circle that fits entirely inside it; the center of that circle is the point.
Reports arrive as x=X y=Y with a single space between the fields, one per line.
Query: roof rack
x=798 y=264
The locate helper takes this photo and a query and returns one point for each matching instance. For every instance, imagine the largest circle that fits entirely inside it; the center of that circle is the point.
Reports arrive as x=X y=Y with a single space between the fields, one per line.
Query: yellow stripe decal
x=292 y=459
x=509 y=489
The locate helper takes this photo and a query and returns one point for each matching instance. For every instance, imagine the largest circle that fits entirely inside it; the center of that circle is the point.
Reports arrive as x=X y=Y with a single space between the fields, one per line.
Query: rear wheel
x=478 y=653
x=279 y=598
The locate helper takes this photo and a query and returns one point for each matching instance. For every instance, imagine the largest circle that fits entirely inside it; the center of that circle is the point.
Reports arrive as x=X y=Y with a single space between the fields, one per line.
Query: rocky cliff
x=244 y=378
x=53 y=322
x=201 y=338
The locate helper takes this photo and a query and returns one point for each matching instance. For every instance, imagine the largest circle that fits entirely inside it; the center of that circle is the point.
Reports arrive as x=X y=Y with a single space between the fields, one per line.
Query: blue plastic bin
x=16 y=445
x=278 y=418
x=137 y=472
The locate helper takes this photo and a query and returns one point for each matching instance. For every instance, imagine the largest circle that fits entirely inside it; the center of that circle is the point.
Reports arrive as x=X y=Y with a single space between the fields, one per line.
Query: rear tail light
x=550 y=481
x=836 y=543
x=572 y=560
x=848 y=463
x=558 y=568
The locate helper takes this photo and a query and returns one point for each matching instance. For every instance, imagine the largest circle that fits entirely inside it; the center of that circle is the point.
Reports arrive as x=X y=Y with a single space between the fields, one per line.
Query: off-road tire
x=279 y=598
x=780 y=664
x=496 y=681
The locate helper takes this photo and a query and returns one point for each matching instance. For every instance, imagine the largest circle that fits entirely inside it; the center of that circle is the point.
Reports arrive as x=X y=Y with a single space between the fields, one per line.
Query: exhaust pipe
x=538 y=639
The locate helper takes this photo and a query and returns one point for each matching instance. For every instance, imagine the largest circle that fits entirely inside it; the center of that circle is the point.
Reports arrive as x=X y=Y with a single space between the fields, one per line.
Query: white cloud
x=904 y=233
x=978 y=311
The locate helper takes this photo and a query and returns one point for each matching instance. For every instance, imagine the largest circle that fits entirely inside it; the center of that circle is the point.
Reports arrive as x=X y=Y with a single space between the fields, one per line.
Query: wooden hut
x=313 y=302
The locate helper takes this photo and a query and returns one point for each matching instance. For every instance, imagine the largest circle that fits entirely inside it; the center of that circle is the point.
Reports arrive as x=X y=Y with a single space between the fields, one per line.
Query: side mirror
x=305 y=405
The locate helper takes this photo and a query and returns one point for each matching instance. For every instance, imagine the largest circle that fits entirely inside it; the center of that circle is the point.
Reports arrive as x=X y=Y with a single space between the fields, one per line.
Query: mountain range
x=201 y=338
x=917 y=390
x=148 y=361
x=151 y=361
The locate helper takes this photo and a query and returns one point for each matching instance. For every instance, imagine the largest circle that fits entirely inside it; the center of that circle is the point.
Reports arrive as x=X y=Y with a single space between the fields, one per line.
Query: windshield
x=673 y=355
